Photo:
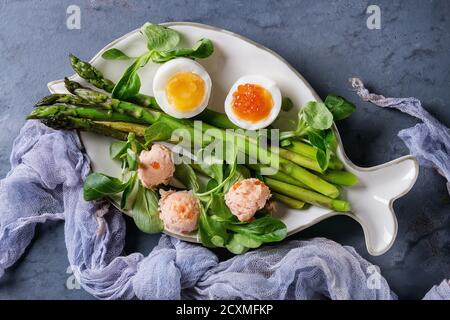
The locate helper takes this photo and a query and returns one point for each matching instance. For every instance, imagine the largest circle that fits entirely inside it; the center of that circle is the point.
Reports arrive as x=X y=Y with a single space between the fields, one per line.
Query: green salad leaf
x=213 y=170
x=127 y=191
x=201 y=49
x=245 y=241
x=325 y=142
x=159 y=131
x=132 y=159
x=323 y=158
x=237 y=236
x=115 y=54
x=146 y=212
x=339 y=107
x=219 y=208
x=129 y=84
x=98 y=185
x=186 y=175
x=317 y=138
x=286 y=104
x=330 y=140
x=264 y=229
x=212 y=233
x=117 y=149
x=235 y=246
x=126 y=151
x=317 y=115
x=160 y=38
x=211 y=184
x=209 y=166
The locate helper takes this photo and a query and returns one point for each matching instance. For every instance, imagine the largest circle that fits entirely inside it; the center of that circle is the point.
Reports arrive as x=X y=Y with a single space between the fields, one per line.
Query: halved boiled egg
x=253 y=102
x=182 y=88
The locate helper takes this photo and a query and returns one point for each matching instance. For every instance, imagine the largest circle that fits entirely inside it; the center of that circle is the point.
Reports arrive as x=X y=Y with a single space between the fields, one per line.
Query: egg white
x=168 y=70
x=267 y=84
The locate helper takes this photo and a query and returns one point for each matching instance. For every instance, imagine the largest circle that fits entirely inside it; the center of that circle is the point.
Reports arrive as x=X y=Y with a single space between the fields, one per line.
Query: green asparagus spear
x=72 y=86
x=303 y=149
x=102 y=100
x=290 y=202
x=280 y=176
x=310 y=163
x=217 y=119
x=335 y=163
x=312 y=181
x=310 y=152
x=343 y=178
x=63 y=98
x=71 y=123
x=90 y=74
x=64 y=110
x=127 y=127
x=307 y=195
x=297 y=172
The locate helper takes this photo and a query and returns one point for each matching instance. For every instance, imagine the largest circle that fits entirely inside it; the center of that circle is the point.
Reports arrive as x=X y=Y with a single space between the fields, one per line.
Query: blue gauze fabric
x=45 y=183
x=429 y=140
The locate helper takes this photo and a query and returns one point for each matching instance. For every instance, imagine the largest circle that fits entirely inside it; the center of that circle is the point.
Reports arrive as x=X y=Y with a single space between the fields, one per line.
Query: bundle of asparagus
x=300 y=178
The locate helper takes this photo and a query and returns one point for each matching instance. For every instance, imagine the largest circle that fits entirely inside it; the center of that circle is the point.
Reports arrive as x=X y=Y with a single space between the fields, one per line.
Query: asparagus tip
x=47 y=100
x=73 y=58
x=340 y=205
x=71 y=86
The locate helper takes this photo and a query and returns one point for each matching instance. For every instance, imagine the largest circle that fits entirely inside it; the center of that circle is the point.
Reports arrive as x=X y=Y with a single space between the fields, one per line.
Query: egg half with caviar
x=253 y=102
x=182 y=88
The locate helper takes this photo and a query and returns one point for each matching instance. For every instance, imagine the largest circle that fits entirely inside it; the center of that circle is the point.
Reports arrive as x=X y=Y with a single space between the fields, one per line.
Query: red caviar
x=251 y=102
x=155 y=165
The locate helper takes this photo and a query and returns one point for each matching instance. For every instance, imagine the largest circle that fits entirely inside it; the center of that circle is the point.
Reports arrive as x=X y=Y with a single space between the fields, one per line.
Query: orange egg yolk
x=251 y=102
x=185 y=91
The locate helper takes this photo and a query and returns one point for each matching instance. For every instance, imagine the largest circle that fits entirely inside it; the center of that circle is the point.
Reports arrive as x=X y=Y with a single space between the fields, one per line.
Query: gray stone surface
x=327 y=42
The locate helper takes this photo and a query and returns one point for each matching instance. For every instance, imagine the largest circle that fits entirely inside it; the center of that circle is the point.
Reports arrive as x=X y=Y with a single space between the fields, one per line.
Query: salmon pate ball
x=155 y=166
x=246 y=197
x=179 y=211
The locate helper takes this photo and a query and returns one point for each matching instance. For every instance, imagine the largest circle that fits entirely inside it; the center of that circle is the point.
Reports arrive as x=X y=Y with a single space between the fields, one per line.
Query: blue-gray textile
x=429 y=140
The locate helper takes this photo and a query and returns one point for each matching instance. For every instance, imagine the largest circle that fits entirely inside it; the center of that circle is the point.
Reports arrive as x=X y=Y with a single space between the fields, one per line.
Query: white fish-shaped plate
x=371 y=199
